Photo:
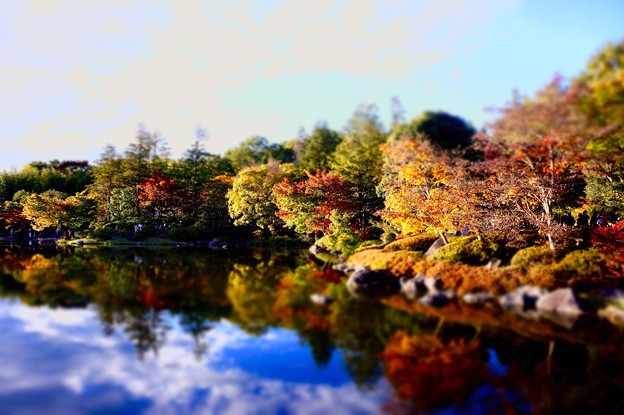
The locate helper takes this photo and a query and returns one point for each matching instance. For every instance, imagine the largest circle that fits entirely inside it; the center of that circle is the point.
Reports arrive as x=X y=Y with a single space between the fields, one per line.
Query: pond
x=197 y=331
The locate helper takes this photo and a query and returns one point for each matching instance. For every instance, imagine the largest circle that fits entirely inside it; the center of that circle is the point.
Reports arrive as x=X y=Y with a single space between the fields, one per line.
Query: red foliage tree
x=163 y=197
x=307 y=205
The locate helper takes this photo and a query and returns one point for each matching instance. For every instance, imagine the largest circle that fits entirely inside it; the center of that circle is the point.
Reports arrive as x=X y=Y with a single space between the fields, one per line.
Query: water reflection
x=194 y=331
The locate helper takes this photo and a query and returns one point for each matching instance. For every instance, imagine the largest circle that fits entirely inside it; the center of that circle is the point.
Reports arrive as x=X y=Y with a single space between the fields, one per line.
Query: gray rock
x=364 y=281
x=564 y=320
x=321 y=299
x=437 y=299
x=522 y=298
x=343 y=267
x=493 y=264
x=439 y=243
x=478 y=298
x=413 y=287
x=433 y=284
x=315 y=249
x=559 y=301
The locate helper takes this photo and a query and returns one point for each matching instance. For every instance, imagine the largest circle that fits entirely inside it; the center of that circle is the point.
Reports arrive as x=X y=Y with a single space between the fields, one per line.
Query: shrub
x=413 y=243
x=468 y=250
x=541 y=254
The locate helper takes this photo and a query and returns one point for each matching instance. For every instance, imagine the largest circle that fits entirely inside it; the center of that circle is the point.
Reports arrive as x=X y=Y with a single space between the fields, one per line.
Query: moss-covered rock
x=399 y=263
x=528 y=257
x=576 y=268
x=412 y=243
x=468 y=250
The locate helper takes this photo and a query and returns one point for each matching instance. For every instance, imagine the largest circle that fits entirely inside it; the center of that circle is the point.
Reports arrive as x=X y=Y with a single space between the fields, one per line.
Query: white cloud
x=83 y=74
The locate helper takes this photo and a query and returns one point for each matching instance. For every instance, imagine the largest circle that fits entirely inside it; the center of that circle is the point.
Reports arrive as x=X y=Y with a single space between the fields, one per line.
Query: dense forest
x=549 y=170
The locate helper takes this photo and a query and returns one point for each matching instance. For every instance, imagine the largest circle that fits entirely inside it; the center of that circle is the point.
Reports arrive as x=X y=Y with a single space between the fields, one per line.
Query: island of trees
x=545 y=180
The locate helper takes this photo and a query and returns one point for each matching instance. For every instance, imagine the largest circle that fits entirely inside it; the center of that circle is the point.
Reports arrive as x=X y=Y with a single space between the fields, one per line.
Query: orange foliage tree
x=423 y=189
x=531 y=183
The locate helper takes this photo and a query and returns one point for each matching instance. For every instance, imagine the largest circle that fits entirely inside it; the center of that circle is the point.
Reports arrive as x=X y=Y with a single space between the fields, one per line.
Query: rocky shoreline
x=561 y=306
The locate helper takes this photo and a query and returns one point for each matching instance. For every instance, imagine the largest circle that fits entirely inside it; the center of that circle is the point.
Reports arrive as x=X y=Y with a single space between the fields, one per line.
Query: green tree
x=318 y=147
x=358 y=160
x=147 y=155
x=250 y=201
x=256 y=150
x=602 y=86
x=107 y=175
x=444 y=130
x=196 y=171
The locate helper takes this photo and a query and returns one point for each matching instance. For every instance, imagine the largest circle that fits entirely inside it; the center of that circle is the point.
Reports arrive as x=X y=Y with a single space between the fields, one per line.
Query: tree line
x=550 y=165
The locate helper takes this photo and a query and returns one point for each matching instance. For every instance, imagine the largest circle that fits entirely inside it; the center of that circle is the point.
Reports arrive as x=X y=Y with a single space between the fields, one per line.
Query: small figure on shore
x=583 y=219
x=603 y=220
x=567 y=219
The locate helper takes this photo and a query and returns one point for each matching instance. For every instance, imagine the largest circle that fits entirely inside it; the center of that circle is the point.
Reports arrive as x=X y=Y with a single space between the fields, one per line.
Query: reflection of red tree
x=433 y=374
x=326 y=274
x=149 y=295
x=292 y=306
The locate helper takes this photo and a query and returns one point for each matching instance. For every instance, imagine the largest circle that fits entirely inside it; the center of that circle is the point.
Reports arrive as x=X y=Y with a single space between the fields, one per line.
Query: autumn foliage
x=433 y=374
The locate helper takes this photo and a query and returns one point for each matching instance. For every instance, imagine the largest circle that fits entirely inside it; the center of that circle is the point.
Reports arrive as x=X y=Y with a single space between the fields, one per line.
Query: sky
x=77 y=75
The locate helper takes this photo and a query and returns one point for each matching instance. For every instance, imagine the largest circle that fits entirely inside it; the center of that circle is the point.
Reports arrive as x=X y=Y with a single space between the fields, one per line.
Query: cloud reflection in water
x=57 y=361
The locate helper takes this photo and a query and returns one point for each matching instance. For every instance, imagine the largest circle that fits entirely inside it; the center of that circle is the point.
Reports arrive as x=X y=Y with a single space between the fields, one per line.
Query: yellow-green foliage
x=413 y=243
x=399 y=263
x=525 y=258
x=575 y=268
x=468 y=250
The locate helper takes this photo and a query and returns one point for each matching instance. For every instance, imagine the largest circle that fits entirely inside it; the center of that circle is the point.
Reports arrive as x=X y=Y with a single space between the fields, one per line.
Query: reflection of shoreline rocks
x=364 y=281
x=560 y=306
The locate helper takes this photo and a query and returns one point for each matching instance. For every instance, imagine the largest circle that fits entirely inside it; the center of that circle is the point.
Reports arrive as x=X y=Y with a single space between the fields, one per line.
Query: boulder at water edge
x=522 y=298
x=560 y=301
x=364 y=281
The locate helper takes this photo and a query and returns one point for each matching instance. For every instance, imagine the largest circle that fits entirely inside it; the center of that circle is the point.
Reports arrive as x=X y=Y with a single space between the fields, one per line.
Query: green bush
x=413 y=243
x=575 y=268
x=583 y=263
x=541 y=254
x=468 y=250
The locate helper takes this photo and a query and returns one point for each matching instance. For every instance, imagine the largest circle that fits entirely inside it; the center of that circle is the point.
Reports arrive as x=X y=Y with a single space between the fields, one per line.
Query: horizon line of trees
x=544 y=166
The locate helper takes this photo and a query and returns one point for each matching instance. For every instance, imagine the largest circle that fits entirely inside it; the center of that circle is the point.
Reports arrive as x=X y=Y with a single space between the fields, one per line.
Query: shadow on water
x=455 y=359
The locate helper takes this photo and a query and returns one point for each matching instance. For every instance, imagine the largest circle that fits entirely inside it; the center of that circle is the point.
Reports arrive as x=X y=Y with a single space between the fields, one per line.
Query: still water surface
x=183 y=331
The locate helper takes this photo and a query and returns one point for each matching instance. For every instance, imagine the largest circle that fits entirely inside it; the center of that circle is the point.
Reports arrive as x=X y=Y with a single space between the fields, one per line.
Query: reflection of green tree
x=146 y=329
x=295 y=311
x=361 y=328
x=252 y=297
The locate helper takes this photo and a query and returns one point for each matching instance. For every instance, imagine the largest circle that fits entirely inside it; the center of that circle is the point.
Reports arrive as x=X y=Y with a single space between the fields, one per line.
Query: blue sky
x=77 y=75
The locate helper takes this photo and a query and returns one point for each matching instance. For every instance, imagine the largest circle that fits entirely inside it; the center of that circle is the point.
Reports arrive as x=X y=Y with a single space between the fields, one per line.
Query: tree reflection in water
x=431 y=365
